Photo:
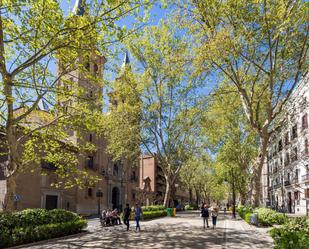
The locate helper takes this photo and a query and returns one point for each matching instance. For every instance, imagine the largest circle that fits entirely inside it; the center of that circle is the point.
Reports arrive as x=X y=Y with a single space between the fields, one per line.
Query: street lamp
x=99 y=195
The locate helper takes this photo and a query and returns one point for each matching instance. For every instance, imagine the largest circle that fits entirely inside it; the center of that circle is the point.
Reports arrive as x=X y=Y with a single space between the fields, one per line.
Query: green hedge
x=266 y=216
x=247 y=217
x=243 y=210
x=293 y=234
x=154 y=214
x=153 y=208
x=37 y=224
x=191 y=207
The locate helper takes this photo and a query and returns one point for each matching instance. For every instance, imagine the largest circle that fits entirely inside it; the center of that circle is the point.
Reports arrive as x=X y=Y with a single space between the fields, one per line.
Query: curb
x=49 y=240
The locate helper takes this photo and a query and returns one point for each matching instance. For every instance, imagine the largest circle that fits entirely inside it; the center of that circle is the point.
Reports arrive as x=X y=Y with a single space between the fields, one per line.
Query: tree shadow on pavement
x=161 y=236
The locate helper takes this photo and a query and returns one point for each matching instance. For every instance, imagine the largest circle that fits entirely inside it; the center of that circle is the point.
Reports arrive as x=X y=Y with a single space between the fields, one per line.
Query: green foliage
x=158 y=107
x=259 y=48
x=37 y=224
x=154 y=214
x=153 y=208
x=247 y=217
x=191 y=207
x=37 y=35
x=243 y=210
x=291 y=235
x=268 y=217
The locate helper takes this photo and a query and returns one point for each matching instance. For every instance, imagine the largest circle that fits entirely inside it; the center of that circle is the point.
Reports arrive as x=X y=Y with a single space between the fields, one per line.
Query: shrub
x=293 y=234
x=154 y=214
x=247 y=217
x=191 y=207
x=242 y=210
x=268 y=217
x=37 y=224
x=153 y=208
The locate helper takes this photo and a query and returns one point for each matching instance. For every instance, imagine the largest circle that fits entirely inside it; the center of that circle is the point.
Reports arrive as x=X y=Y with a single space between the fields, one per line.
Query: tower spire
x=126 y=59
x=79 y=8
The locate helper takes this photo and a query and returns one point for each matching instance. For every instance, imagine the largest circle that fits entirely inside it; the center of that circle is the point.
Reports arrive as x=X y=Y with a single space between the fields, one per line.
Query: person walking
x=126 y=216
x=214 y=215
x=137 y=212
x=205 y=215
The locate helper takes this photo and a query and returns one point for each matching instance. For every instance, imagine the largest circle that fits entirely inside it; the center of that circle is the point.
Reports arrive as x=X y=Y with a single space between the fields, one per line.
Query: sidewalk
x=183 y=232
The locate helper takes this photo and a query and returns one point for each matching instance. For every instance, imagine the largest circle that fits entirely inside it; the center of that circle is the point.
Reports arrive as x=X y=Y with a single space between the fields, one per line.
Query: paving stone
x=183 y=231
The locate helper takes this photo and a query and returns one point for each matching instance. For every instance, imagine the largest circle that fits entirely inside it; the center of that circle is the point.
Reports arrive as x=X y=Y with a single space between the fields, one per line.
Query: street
x=183 y=231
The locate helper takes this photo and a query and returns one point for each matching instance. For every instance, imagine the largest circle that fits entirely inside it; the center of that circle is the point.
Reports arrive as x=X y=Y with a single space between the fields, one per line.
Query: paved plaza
x=183 y=231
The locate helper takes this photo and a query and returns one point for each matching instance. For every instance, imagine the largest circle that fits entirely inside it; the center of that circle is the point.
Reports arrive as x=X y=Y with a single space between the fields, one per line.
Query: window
x=280 y=145
x=306 y=147
x=287 y=138
x=89 y=162
x=91 y=94
x=296 y=176
x=133 y=196
x=95 y=68
x=89 y=192
x=307 y=193
x=133 y=176
x=294 y=155
x=90 y=137
x=294 y=132
x=305 y=121
x=115 y=169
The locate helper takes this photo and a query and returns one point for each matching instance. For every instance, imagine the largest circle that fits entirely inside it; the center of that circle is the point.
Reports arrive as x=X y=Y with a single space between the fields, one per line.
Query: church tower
x=84 y=81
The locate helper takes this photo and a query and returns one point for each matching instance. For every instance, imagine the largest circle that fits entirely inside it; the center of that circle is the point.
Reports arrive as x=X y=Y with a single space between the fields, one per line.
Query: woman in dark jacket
x=205 y=215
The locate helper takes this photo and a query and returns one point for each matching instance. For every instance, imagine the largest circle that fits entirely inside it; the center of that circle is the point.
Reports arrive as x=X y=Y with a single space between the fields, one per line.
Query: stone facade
x=286 y=173
x=118 y=179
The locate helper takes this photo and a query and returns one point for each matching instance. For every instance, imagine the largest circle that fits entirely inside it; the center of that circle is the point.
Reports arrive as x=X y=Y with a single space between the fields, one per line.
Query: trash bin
x=174 y=212
x=169 y=212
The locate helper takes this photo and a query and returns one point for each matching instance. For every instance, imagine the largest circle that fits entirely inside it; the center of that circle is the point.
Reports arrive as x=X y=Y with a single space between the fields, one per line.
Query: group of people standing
x=206 y=212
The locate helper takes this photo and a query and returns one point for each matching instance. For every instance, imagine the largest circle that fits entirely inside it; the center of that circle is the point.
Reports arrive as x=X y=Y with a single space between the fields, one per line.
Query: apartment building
x=287 y=166
x=151 y=173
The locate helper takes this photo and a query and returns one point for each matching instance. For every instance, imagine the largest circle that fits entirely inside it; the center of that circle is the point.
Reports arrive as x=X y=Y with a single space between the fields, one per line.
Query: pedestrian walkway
x=184 y=231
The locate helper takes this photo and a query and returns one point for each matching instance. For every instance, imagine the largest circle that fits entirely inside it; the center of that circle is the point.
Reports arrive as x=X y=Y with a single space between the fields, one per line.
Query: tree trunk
x=190 y=196
x=197 y=197
x=8 y=202
x=167 y=194
x=257 y=171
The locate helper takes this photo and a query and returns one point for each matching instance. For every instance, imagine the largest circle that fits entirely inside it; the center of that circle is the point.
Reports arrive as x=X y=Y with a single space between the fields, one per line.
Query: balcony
x=305 y=178
x=277 y=185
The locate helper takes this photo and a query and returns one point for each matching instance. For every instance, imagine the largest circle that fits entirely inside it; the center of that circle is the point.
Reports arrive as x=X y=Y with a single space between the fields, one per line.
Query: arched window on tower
x=115 y=169
x=95 y=69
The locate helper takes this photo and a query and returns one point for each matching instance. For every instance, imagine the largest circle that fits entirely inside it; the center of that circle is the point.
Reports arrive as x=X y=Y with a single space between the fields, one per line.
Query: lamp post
x=99 y=195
